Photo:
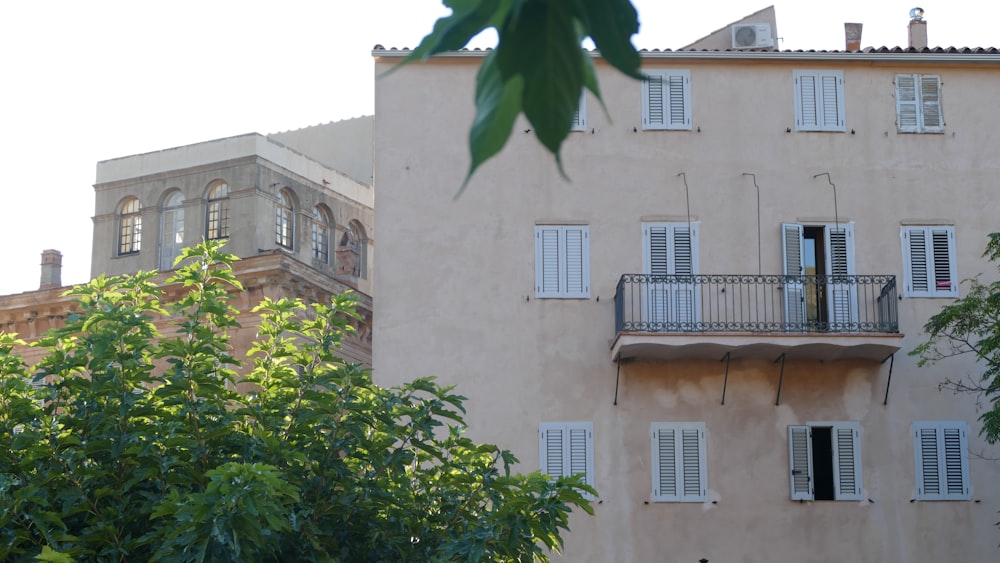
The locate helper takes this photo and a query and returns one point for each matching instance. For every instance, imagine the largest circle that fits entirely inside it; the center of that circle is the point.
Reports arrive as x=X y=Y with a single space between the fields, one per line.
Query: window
x=819 y=100
x=580 y=115
x=321 y=235
x=670 y=260
x=825 y=461
x=942 y=460
x=217 y=217
x=351 y=255
x=666 y=99
x=679 y=471
x=818 y=263
x=929 y=268
x=562 y=261
x=918 y=103
x=283 y=226
x=567 y=448
x=172 y=230
x=129 y=227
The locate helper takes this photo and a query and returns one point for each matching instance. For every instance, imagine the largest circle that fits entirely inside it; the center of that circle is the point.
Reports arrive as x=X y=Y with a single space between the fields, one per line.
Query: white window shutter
x=795 y=295
x=907 y=106
x=941 y=460
x=930 y=104
x=847 y=461
x=580 y=115
x=842 y=295
x=943 y=253
x=670 y=259
x=567 y=448
x=666 y=100
x=562 y=261
x=800 y=462
x=819 y=100
x=929 y=264
x=678 y=454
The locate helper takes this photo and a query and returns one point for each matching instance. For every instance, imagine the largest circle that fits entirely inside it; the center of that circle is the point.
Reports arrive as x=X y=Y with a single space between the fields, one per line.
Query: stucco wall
x=457 y=277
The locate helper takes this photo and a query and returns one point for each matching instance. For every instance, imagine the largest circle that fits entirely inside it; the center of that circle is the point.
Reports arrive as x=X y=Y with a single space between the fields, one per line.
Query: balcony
x=756 y=316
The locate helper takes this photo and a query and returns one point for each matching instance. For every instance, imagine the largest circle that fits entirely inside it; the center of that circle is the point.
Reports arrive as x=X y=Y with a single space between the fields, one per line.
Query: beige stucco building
x=296 y=207
x=712 y=319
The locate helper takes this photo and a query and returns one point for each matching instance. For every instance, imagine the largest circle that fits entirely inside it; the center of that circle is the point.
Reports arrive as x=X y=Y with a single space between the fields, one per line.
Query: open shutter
x=794 y=288
x=800 y=463
x=907 y=110
x=580 y=115
x=678 y=462
x=842 y=300
x=930 y=104
x=666 y=100
x=847 y=462
x=945 y=270
x=942 y=461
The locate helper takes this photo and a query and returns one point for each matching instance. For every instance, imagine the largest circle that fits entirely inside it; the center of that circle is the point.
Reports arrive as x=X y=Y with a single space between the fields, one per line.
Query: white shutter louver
x=562 y=261
x=580 y=115
x=842 y=302
x=567 y=448
x=795 y=296
x=670 y=256
x=918 y=103
x=907 y=111
x=666 y=100
x=930 y=104
x=679 y=462
x=941 y=460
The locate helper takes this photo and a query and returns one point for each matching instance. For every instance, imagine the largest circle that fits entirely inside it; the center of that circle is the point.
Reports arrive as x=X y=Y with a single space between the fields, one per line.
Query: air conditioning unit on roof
x=752 y=36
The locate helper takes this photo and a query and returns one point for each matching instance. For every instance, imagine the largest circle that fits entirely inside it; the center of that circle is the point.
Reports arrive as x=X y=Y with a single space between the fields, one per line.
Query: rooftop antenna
x=836 y=216
x=754 y=176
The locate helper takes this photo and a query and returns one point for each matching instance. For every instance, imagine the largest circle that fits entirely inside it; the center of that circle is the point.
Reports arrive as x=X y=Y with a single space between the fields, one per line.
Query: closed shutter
x=794 y=288
x=679 y=462
x=567 y=448
x=666 y=100
x=800 y=469
x=819 y=100
x=941 y=460
x=562 y=261
x=907 y=106
x=842 y=299
x=670 y=256
x=847 y=461
x=929 y=262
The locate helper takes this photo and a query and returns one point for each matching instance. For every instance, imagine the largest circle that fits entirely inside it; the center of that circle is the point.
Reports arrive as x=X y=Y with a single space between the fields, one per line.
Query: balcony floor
x=768 y=346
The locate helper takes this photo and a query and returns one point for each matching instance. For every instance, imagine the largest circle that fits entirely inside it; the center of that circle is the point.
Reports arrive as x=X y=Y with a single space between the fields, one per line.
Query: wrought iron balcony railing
x=747 y=303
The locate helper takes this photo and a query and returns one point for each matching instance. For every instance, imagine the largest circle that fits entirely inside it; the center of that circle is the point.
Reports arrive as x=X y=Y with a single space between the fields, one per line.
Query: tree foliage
x=538 y=66
x=138 y=447
x=971 y=325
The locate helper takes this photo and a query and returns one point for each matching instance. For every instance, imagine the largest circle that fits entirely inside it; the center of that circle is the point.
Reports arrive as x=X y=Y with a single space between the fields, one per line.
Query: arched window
x=172 y=231
x=217 y=216
x=129 y=226
x=283 y=227
x=321 y=235
x=354 y=240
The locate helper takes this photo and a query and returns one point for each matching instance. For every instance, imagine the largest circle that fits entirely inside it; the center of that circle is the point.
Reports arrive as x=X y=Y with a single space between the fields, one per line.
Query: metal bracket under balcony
x=756 y=316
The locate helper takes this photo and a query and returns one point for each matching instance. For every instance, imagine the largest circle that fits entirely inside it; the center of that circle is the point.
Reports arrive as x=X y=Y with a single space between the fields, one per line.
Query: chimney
x=918 y=29
x=852 y=33
x=51 y=269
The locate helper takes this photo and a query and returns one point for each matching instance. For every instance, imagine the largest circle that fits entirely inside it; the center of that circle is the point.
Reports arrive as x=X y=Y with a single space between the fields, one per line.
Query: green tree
x=138 y=447
x=538 y=66
x=971 y=325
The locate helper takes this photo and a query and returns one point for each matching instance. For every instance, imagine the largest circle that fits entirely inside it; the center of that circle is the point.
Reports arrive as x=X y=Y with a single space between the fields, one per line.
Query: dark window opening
x=814 y=262
x=822 y=450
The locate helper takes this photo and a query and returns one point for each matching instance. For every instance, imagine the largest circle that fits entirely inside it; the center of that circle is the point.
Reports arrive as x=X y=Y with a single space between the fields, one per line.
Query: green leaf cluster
x=971 y=325
x=538 y=66
x=138 y=446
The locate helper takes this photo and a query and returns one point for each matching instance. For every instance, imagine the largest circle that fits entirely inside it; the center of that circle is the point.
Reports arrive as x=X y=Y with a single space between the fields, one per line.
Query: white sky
x=89 y=81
